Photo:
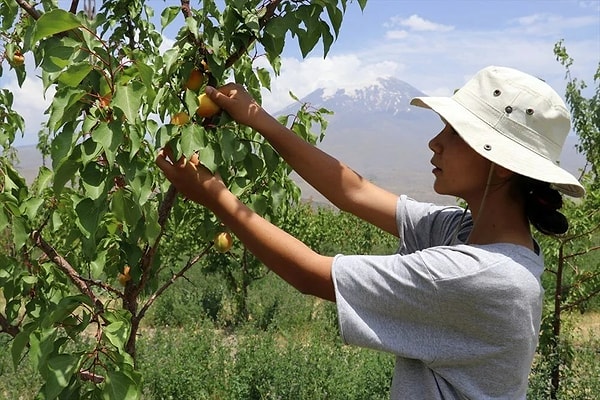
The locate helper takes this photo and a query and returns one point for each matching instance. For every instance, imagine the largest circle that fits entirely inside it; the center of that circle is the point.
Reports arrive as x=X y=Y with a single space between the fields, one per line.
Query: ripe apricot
x=195 y=80
x=223 y=242
x=180 y=118
x=18 y=59
x=206 y=107
x=124 y=277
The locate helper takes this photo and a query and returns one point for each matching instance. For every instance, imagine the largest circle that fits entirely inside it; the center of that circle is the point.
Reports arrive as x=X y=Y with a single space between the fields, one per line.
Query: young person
x=460 y=304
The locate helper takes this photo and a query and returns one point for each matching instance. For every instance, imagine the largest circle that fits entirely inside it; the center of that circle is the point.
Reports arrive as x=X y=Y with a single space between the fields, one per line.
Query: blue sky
x=434 y=45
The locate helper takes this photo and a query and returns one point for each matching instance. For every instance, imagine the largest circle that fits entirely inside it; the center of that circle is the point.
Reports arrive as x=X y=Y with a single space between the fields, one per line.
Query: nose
x=435 y=144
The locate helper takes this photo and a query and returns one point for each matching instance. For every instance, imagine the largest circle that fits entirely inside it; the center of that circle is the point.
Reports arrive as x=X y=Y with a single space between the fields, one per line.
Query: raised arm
x=346 y=189
x=306 y=270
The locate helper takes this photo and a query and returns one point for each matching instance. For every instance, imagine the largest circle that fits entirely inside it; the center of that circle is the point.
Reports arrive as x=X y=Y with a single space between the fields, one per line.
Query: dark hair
x=542 y=203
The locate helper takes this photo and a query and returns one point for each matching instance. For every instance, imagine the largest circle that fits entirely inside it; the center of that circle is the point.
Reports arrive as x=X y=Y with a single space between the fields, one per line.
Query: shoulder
x=494 y=274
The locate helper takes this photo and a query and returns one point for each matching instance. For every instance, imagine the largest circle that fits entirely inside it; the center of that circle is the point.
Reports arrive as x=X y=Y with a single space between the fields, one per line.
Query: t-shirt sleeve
x=423 y=225
x=387 y=303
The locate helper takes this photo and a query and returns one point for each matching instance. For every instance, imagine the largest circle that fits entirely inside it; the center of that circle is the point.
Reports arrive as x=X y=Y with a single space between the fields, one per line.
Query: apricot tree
x=82 y=248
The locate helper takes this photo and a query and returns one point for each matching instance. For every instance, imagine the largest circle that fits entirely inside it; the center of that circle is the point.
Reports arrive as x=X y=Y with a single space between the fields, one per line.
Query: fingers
x=163 y=159
x=222 y=96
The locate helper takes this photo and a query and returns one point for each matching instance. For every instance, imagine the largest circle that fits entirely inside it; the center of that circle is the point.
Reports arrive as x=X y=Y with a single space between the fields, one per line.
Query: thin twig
x=172 y=280
x=66 y=267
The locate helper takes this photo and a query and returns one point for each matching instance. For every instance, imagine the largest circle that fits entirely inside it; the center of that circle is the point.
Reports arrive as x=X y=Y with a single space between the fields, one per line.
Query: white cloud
x=419 y=24
x=396 y=34
x=543 y=24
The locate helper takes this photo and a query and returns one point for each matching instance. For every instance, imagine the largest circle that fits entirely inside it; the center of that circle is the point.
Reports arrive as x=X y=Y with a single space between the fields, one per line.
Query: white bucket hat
x=514 y=120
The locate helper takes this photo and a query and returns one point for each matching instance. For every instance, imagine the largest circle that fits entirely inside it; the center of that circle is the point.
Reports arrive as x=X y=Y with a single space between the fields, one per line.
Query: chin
x=444 y=191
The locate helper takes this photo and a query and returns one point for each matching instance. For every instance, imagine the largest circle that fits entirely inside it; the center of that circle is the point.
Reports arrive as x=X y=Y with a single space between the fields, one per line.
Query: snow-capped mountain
x=389 y=96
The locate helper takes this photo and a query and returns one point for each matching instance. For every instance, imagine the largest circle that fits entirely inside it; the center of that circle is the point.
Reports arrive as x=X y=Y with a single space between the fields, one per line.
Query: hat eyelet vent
x=508 y=109
x=497 y=92
x=529 y=111
x=487 y=147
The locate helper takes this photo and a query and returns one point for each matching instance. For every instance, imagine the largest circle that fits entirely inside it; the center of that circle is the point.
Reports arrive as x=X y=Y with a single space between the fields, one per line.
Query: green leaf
x=141 y=186
x=327 y=38
x=87 y=217
x=124 y=208
x=61 y=368
x=335 y=16
x=120 y=385
x=168 y=15
x=61 y=146
x=75 y=74
x=90 y=150
x=3 y=218
x=43 y=180
x=97 y=265
x=94 y=180
x=192 y=139
x=18 y=345
x=308 y=40
x=65 y=107
x=53 y=22
x=110 y=137
x=117 y=333
x=152 y=227
x=19 y=231
x=41 y=345
x=129 y=99
x=65 y=172
x=31 y=207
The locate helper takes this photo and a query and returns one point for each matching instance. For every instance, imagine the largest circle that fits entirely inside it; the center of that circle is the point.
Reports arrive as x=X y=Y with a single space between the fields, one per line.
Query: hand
x=238 y=103
x=190 y=178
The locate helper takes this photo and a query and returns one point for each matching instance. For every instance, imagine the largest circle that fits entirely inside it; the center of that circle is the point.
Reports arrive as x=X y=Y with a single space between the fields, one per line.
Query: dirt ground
x=589 y=325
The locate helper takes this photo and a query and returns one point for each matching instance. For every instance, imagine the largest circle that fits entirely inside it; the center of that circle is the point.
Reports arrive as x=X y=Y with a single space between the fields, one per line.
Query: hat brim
x=500 y=149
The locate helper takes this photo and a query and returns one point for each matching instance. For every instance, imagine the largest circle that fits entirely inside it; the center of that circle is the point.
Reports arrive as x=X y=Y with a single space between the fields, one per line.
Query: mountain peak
x=388 y=95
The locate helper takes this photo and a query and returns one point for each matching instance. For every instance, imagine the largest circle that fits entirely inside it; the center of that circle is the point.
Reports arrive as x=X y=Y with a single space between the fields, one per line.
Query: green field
x=194 y=346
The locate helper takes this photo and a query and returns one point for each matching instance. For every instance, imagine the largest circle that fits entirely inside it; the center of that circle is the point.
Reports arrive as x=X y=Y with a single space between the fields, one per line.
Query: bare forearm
x=285 y=255
x=336 y=181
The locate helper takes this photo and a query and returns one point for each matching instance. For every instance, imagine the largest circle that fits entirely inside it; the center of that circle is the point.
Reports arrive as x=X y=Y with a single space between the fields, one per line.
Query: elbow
x=324 y=291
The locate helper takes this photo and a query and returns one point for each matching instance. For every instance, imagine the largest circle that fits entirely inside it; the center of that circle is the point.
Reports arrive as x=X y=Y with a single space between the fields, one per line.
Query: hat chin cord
x=483 y=200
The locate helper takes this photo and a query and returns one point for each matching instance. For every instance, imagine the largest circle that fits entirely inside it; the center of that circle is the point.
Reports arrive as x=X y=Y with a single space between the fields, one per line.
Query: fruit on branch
x=195 y=80
x=104 y=101
x=18 y=59
x=206 y=107
x=124 y=277
x=180 y=118
x=223 y=242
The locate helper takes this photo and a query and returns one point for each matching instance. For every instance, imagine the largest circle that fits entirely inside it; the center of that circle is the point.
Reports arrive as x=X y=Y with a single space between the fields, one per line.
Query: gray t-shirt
x=462 y=320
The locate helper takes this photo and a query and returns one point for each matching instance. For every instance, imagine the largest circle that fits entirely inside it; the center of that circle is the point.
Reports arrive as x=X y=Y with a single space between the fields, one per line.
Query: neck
x=499 y=219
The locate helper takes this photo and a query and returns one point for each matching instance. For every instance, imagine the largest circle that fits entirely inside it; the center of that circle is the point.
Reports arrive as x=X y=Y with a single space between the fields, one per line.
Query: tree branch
x=65 y=267
x=269 y=13
x=163 y=214
x=168 y=283
x=185 y=8
x=74 y=5
x=35 y=14
x=12 y=330
x=570 y=306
